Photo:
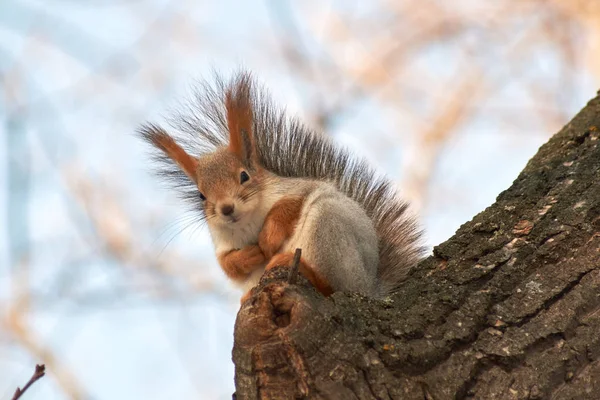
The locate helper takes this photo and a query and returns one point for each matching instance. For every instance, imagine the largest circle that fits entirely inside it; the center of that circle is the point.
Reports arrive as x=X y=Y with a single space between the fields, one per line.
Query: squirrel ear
x=160 y=139
x=238 y=104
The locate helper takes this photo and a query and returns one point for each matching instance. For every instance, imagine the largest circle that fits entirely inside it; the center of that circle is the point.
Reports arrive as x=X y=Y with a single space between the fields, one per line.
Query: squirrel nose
x=227 y=209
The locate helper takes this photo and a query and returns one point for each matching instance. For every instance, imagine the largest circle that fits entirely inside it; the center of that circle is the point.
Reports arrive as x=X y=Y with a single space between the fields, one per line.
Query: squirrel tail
x=288 y=148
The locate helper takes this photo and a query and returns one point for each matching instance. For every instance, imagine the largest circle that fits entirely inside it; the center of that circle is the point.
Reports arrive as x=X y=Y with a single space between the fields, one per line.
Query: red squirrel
x=266 y=185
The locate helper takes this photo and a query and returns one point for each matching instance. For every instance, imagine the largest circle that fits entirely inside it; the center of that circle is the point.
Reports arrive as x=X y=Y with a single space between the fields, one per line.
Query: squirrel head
x=229 y=179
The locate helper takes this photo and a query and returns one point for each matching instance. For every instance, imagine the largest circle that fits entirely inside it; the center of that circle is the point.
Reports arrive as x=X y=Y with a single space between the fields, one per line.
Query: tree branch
x=40 y=370
x=293 y=278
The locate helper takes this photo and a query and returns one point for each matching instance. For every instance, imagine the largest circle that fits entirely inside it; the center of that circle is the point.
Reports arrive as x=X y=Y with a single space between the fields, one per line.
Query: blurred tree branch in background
x=480 y=52
x=418 y=73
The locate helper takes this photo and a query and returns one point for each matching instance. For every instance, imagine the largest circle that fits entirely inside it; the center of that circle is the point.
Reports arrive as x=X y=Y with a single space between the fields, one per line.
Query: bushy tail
x=288 y=148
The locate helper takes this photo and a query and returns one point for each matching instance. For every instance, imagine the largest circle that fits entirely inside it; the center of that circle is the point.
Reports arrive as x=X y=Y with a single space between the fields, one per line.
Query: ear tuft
x=238 y=104
x=160 y=139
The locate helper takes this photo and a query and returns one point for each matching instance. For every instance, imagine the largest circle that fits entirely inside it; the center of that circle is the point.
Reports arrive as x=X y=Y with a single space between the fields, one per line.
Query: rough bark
x=508 y=308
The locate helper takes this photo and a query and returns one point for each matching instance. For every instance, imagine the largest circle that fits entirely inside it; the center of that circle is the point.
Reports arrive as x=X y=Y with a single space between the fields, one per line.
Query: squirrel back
x=287 y=148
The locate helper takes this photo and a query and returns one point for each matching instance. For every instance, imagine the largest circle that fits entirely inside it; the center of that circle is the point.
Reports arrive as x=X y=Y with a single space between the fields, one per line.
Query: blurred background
x=105 y=278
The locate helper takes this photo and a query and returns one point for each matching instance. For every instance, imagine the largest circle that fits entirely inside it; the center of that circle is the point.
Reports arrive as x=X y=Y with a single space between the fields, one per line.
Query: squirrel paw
x=271 y=240
x=279 y=225
x=238 y=264
x=251 y=257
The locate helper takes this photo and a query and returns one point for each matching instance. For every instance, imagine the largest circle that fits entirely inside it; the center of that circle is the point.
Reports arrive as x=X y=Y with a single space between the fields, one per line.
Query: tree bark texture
x=508 y=308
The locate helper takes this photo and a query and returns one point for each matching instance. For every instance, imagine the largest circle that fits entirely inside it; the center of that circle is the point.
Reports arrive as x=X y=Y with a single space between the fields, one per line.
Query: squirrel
x=266 y=185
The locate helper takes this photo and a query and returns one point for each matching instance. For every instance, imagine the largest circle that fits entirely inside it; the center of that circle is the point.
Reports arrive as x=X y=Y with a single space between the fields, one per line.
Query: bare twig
x=295 y=265
x=40 y=370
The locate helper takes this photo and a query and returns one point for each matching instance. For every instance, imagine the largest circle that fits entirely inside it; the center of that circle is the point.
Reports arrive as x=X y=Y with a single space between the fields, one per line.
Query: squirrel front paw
x=238 y=264
x=250 y=258
x=271 y=239
x=279 y=225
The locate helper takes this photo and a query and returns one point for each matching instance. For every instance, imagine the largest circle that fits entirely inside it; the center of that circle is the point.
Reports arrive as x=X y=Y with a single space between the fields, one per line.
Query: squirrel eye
x=202 y=196
x=244 y=177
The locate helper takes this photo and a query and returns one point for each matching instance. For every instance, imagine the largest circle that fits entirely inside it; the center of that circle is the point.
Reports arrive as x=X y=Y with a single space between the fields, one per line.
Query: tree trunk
x=508 y=308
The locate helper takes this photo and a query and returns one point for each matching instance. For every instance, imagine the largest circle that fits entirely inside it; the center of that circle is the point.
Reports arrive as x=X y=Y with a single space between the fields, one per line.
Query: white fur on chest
x=239 y=235
x=236 y=237
x=243 y=233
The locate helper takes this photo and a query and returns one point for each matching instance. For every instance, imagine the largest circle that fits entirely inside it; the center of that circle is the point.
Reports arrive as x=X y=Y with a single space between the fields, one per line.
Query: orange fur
x=279 y=225
x=318 y=281
x=238 y=264
x=238 y=105
x=167 y=144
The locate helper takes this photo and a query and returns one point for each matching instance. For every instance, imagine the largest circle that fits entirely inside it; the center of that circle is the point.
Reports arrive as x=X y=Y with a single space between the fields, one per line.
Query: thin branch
x=295 y=265
x=40 y=370
x=26 y=338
